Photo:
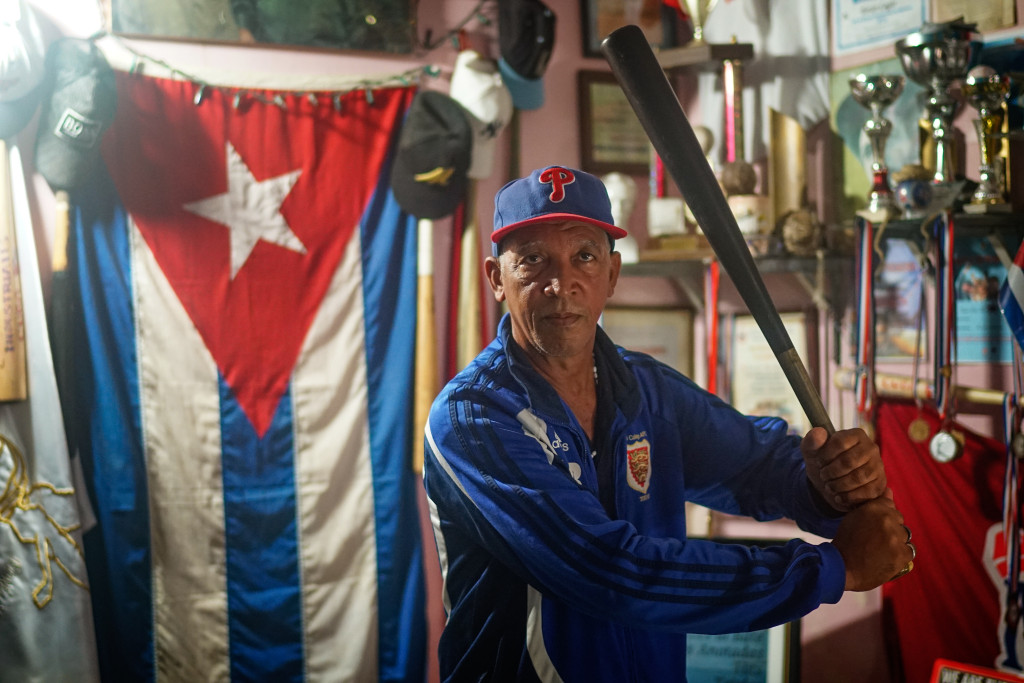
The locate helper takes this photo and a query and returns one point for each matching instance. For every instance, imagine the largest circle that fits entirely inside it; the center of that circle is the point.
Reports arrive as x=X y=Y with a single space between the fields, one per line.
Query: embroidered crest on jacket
x=638 y=465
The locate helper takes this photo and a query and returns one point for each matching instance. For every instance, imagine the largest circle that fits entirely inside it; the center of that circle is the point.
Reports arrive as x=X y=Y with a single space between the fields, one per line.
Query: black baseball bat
x=647 y=88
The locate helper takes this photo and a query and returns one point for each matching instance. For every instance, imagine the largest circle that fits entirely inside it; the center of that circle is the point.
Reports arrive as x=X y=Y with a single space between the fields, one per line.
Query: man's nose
x=561 y=279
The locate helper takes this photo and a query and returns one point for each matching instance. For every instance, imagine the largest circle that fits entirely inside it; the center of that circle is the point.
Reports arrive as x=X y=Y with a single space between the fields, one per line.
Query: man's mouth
x=563 y=317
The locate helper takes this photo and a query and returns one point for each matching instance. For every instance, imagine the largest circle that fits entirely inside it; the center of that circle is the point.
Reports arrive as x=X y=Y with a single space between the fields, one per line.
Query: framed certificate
x=611 y=136
x=665 y=334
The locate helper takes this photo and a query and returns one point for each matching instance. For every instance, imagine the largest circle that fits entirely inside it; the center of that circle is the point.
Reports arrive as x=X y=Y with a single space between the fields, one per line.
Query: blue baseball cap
x=550 y=194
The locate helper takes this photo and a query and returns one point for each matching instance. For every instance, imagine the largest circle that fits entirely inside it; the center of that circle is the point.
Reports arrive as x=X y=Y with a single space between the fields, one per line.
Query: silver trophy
x=876 y=93
x=986 y=90
x=935 y=57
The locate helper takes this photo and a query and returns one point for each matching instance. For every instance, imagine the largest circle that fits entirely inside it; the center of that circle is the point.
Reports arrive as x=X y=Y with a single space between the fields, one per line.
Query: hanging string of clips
x=239 y=96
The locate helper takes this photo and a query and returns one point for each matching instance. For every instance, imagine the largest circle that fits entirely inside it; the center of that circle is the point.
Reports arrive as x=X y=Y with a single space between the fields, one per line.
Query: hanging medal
x=947 y=444
x=918 y=430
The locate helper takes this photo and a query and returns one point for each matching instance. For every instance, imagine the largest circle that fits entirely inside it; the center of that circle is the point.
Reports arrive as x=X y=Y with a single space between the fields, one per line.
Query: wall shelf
x=794 y=282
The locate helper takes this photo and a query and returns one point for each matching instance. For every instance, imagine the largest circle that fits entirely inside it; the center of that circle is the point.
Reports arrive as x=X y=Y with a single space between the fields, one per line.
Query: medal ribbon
x=944 y=315
x=712 y=275
x=864 y=387
x=1011 y=508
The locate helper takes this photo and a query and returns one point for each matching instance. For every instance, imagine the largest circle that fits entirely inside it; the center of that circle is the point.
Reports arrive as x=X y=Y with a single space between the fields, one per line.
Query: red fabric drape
x=950 y=605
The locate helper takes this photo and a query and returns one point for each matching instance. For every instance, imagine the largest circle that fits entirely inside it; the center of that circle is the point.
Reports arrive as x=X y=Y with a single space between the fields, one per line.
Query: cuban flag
x=245 y=357
x=1011 y=297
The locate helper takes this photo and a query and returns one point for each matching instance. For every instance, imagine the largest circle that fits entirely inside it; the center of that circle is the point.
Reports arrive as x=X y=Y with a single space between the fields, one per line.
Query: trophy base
x=879 y=215
x=881 y=203
x=988 y=208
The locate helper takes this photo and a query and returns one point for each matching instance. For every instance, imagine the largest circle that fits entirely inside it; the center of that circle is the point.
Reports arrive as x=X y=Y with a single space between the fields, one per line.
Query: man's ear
x=613 y=276
x=492 y=270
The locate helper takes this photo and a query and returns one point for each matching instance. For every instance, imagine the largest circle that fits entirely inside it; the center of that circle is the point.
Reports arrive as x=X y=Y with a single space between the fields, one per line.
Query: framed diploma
x=759 y=386
x=768 y=656
x=611 y=136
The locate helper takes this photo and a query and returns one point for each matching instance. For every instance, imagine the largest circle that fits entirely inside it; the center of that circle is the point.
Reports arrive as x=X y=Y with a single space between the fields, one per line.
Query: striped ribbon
x=1011 y=506
x=864 y=387
x=944 y=315
x=712 y=275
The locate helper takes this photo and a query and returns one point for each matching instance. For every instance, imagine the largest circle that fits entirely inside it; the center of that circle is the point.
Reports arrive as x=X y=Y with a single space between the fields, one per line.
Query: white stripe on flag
x=335 y=484
x=1015 y=279
x=181 y=436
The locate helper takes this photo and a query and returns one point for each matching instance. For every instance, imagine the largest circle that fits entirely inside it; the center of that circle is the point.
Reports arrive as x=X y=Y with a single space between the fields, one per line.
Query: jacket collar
x=542 y=396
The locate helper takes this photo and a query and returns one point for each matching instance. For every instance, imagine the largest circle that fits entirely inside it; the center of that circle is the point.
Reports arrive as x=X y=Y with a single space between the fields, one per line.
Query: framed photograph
x=611 y=136
x=982 y=333
x=601 y=17
x=318 y=23
x=768 y=656
x=898 y=282
x=664 y=333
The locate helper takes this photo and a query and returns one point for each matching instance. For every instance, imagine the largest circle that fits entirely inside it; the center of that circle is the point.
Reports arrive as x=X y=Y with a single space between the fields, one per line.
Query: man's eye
x=587 y=256
x=531 y=258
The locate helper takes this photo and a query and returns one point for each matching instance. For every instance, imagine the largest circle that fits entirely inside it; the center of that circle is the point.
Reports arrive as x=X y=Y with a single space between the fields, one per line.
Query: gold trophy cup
x=986 y=91
x=698 y=11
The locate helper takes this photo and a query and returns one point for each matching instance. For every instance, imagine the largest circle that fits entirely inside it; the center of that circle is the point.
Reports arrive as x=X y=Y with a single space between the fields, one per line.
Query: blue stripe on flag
x=264 y=591
x=1010 y=305
x=389 y=289
x=117 y=549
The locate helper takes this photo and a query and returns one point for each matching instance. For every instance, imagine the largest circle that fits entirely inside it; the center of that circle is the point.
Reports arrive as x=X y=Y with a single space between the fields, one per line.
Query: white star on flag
x=251 y=210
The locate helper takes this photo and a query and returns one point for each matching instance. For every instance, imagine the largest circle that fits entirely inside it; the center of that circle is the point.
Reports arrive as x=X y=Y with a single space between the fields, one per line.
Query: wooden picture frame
x=601 y=17
x=664 y=333
x=768 y=656
x=611 y=136
x=385 y=27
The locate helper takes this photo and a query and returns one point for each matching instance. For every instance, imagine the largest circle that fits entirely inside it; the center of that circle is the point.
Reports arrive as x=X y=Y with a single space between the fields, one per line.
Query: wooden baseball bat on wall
x=647 y=88
x=13 y=373
x=426 y=372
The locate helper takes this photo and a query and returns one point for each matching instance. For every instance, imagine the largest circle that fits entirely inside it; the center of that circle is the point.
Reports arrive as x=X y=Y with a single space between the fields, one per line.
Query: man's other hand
x=846 y=468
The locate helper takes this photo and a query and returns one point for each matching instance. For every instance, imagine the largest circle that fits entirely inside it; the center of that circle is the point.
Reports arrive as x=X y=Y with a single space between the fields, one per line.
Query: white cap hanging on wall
x=22 y=66
x=478 y=87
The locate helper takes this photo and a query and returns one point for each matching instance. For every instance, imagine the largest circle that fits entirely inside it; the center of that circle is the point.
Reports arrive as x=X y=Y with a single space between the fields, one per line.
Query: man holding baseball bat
x=557 y=466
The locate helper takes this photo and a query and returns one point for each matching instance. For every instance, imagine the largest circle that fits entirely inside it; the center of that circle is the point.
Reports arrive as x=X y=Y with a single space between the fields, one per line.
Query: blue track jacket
x=549 y=577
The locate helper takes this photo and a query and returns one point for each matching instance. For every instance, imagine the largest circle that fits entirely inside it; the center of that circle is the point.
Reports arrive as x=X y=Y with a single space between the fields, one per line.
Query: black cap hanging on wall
x=526 y=33
x=78 y=107
x=429 y=175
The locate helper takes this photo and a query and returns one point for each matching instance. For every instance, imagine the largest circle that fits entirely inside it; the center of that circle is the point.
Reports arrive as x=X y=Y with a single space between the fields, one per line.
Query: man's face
x=555 y=278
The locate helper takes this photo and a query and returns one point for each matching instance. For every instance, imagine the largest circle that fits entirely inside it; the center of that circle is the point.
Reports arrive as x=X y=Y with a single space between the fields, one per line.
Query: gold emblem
x=438 y=176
